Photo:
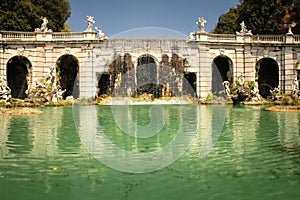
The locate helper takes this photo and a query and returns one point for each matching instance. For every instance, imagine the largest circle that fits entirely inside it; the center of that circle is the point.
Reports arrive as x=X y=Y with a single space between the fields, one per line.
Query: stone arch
x=103 y=84
x=18 y=75
x=128 y=77
x=191 y=89
x=174 y=77
x=67 y=67
x=146 y=59
x=119 y=78
x=178 y=62
x=267 y=71
x=147 y=75
x=165 y=60
x=127 y=62
x=222 y=70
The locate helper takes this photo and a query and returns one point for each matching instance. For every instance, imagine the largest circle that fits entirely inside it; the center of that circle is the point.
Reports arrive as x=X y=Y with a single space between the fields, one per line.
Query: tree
x=227 y=23
x=261 y=16
x=66 y=28
x=25 y=15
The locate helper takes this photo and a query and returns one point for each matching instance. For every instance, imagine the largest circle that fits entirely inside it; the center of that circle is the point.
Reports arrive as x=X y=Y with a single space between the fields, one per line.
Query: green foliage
x=213 y=99
x=246 y=89
x=25 y=15
x=261 y=16
x=66 y=28
x=227 y=23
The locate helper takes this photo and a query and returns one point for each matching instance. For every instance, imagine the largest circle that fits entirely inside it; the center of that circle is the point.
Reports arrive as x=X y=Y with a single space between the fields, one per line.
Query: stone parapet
x=46 y=36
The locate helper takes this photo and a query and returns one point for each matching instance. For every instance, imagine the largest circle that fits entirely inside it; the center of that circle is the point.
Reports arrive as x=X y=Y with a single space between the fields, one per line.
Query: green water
x=256 y=156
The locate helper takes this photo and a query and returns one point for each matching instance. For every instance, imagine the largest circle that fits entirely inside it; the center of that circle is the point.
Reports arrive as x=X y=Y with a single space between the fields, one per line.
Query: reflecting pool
x=254 y=155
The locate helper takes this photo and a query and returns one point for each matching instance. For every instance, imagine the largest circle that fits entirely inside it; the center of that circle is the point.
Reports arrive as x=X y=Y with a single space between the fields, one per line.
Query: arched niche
x=119 y=78
x=146 y=75
x=222 y=70
x=104 y=85
x=18 y=72
x=174 y=78
x=67 y=67
x=268 y=76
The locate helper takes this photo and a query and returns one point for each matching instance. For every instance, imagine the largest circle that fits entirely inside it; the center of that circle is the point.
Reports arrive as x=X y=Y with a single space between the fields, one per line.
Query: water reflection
x=257 y=153
x=19 y=139
x=4 y=124
x=105 y=138
x=289 y=132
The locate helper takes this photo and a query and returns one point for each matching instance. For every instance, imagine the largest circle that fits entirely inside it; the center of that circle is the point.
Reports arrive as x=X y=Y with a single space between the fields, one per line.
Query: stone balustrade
x=13 y=35
x=67 y=36
x=297 y=38
x=45 y=36
x=221 y=37
x=205 y=37
x=269 y=38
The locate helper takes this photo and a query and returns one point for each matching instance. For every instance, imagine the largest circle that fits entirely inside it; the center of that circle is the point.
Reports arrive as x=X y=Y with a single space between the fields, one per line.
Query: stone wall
x=95 y=55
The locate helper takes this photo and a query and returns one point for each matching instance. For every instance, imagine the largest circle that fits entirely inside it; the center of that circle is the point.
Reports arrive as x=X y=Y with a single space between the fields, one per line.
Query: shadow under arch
x=160 y=79
x=174 y=77
x=67 y=67
x=268 y=76
x=119 y=74
x=18 y=75
x=222 y=70
x=146 y=72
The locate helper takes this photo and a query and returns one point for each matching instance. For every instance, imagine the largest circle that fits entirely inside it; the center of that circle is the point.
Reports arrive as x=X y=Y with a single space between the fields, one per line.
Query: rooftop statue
x=44 y=27
x=290 y=26
x=192 y=36
x=201 y=22
x=101 y=35
x=244 y=30
x=90 y=20
x=288 y=22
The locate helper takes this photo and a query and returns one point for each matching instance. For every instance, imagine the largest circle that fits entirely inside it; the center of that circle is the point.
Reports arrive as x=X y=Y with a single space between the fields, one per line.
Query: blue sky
x=115 y=16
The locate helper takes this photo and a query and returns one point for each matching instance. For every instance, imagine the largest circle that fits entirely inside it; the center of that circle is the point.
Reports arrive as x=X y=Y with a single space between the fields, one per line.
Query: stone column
x=87 y=75
x=38 y=64
x=288 y=71
x=240 y=63
x=204 y=77
x=49 y=60
x=6 y=55
x=2 y=64
x=249 y=63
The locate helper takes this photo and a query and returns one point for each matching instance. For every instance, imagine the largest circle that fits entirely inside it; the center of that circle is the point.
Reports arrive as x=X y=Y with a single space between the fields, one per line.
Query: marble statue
x=57 y=94
x=226 y=87
x=275 y=93
x=201 y=22
x=192 y=36
x=90 y=20
x=50 y=76
x=296 y=87
x=5 y=92
x=44 y=27
x=255 y=93
x=244 y=30
x=290 y=26
x=241 y=80
x=101 y=35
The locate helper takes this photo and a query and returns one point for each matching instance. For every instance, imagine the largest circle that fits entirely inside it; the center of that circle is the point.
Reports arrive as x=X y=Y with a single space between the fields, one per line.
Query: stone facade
x=243 y=53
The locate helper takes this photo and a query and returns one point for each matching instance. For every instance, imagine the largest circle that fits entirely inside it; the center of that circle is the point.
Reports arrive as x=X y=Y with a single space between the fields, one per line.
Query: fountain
x=5 y=92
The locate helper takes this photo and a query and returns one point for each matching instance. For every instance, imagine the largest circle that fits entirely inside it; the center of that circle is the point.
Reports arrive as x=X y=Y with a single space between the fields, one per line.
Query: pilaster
x=204 y=77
